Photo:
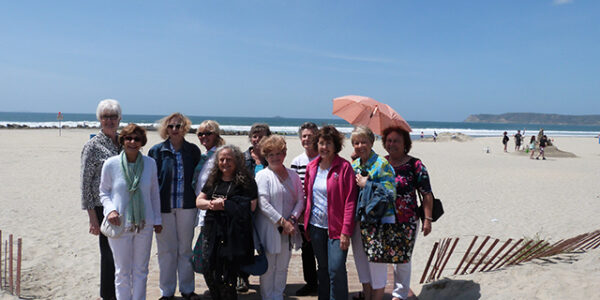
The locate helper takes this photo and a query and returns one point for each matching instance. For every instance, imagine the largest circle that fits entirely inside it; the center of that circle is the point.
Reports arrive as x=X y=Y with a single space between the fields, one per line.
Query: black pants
x=107 y=264
x=221 y=281
x=309 y=266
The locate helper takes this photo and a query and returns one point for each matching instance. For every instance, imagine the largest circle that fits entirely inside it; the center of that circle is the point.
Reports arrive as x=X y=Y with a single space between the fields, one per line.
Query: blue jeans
x=333 y=278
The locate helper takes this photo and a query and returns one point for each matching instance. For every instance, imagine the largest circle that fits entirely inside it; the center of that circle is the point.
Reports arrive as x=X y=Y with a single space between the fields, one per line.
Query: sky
x=429 y=60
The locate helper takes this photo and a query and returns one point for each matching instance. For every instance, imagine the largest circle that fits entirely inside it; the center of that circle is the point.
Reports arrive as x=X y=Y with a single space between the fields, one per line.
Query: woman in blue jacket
x=176 y=160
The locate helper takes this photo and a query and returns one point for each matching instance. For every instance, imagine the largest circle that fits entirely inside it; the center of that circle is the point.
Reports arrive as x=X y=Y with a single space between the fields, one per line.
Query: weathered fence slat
x=496 y=254
x=466 y=254
x=498 y=263
x=524 y=253
x=429 y=262
x=475 y=254
x=485 y=255
x=447 y=257
x=19 y=253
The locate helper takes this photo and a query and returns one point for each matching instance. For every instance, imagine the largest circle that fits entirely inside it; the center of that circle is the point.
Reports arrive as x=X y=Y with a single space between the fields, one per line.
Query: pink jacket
x=342 y=193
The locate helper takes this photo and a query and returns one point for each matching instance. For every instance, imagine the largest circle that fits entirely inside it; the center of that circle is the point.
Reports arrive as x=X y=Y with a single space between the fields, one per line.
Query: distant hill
x=535 y=118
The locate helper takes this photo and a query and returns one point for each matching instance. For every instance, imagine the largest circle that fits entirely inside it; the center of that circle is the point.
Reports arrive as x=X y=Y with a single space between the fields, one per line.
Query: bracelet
x=293 y=219
x=429 y=218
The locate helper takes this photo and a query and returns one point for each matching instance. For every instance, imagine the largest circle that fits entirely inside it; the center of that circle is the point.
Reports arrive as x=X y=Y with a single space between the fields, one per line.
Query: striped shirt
x=177 y=180
x=299 y=165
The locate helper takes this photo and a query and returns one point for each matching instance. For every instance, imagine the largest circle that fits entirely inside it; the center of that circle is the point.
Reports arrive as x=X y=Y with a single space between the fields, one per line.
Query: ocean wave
x=291 y=130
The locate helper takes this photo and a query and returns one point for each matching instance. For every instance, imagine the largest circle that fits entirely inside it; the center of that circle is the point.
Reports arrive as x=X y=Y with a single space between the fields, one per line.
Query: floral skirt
x=388 y=243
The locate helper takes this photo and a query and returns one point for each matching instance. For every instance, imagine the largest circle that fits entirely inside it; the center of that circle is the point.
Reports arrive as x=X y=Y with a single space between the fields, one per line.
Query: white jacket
x=114 y=194
x=275 y=200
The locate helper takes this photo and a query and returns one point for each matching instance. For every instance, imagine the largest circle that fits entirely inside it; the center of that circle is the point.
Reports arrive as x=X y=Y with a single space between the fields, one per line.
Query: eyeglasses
x=171 y=126
x=109 y=117
x=201 y=134
x=132 y=138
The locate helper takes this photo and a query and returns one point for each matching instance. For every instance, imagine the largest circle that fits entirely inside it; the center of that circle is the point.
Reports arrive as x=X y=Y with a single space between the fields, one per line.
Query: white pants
x=272 y=283
x=131 y=253
x=402 y=275
x=368 y=272
x=174 y=246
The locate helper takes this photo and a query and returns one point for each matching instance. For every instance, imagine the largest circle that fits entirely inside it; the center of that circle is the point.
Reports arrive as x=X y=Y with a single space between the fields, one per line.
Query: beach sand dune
x=495 y=194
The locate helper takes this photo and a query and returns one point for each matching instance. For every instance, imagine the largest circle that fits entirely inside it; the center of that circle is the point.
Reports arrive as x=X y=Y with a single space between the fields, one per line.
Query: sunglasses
x=201 y=134
x=132 y=138
x=171 y=126
x=110 y=117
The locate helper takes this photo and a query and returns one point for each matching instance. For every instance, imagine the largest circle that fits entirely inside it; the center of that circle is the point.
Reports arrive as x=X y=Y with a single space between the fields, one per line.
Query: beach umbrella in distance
x=361 y=110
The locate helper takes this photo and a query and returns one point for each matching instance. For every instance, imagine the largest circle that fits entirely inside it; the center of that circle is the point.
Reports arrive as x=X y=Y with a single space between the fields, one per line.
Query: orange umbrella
x=360 y=110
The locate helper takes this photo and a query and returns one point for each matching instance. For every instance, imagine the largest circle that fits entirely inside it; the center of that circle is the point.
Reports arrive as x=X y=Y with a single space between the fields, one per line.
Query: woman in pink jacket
x=331 y=194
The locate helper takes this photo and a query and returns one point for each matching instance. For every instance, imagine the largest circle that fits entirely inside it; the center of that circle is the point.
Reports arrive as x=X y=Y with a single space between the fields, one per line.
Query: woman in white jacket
x=129 y=194
x=280 y=204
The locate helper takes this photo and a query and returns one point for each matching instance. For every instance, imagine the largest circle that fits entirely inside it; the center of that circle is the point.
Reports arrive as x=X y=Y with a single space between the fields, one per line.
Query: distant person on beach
x=307 y=133
x=411 y=178
x=543 y=143
x=176 y=160
x=227 y=232
x=254 y=162
x=532 y=146
x=130 y=195
x=518 y=138
x=373 y=172
x=331 y=192
x=435 y=135
x=280 y=204
x=422 y=135
x=95 y=152
x=209 y=135
x=505 y=140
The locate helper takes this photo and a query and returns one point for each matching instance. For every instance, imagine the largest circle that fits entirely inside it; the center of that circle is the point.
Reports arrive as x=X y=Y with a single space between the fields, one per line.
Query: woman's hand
x=217 y=204
x=288 y=227
x=157 y=228
x=113 y=218
x=344 y=242
x=253 y=204
x=94 y=225
x=361 y=181
x=426 y=227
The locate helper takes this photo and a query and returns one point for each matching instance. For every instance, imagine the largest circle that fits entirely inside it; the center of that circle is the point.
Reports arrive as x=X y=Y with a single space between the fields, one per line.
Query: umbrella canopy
x=360 y=110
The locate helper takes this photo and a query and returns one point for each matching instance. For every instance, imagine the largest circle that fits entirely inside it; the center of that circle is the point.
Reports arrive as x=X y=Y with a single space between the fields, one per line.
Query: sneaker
x=306 y=290
x=543 y=158
x=242 y=285
x=191 y=296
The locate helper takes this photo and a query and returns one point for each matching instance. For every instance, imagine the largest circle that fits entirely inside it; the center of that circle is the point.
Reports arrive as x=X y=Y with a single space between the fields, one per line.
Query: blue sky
x=430 y=60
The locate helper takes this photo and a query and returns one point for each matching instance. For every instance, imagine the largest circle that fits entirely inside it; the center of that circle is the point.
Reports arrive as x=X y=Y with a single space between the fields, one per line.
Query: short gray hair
x=363 y=131
x=108 y=105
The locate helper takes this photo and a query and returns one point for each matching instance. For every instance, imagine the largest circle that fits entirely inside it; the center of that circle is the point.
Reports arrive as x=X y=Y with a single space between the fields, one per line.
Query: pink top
x=342 y=193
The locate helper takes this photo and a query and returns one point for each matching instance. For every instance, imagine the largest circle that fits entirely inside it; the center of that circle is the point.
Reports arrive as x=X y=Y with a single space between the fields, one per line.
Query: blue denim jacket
x=165 y=164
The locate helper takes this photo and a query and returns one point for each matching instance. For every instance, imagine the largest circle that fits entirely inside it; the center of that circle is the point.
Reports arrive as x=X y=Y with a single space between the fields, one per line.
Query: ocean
x=290 y=125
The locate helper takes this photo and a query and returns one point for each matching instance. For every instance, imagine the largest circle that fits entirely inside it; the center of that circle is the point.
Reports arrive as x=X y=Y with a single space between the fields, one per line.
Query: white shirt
x=114 y=193
x=318 y=213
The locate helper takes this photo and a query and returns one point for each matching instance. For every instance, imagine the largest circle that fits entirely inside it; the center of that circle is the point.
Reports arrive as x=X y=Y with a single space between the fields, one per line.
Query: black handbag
x=260 y=265
x=436 y=212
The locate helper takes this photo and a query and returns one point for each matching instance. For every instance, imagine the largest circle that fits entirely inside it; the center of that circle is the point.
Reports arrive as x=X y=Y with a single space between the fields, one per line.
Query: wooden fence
x=476 y=257
x=8 y=280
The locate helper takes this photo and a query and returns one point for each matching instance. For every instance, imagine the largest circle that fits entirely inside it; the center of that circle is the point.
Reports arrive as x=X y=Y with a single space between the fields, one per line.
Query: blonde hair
x=362 y=131
x=212 y=126
x=272 y=143
x=162 y=127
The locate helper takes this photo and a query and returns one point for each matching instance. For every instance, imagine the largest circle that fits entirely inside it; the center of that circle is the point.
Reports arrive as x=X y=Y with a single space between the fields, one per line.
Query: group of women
x=243 y=199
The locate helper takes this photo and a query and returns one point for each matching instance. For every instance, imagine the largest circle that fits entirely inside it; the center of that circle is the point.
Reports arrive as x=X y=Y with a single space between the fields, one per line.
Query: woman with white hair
x=95 y=151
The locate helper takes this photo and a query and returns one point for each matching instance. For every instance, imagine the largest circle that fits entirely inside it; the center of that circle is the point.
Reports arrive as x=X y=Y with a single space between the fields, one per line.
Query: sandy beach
x=503 y=195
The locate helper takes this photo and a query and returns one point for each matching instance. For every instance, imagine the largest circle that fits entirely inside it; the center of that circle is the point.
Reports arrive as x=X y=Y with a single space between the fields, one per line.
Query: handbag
x=110 y=230
x=196 y=259
x=436 y=212
x=260 y=265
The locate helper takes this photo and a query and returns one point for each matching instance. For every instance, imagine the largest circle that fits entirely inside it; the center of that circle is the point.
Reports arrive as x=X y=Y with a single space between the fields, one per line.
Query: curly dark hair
x=241 y=177
x=330 y=133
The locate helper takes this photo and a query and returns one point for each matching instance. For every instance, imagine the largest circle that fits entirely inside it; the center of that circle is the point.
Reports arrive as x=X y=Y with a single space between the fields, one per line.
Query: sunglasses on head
x=171 y=126
x=132 y=138
x=201 y=134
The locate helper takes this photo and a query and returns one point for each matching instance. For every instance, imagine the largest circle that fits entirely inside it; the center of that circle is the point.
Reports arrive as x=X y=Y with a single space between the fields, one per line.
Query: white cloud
x=561 y=2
